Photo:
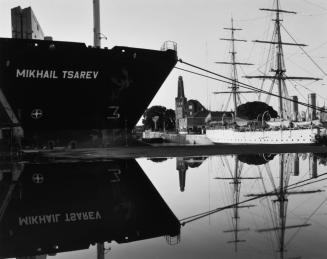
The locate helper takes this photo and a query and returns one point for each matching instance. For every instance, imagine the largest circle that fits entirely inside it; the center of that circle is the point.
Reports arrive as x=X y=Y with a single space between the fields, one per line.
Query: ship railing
x=169 y=45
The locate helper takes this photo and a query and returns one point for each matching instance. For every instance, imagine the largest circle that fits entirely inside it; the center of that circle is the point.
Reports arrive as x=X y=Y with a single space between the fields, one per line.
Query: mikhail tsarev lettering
x=54 y=74
x=59 y=218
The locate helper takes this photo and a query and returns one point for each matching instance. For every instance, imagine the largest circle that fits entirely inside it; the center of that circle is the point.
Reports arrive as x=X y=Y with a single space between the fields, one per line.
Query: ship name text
x=58 y=218
x=54 y=74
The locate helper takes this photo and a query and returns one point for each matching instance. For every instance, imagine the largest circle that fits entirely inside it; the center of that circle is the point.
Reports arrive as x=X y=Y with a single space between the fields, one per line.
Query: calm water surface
x=233 y=206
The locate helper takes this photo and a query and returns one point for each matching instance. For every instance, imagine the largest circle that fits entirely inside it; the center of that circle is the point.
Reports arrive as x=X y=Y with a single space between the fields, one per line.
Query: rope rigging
x=315 y=4
x=241 y=84
x=314 y=62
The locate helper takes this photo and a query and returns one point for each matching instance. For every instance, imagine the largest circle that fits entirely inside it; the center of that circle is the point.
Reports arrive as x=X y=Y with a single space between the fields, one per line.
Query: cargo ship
x=55 y=93
x=49 y=208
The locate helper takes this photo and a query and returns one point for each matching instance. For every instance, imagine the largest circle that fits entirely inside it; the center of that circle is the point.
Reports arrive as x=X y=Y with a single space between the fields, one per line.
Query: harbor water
x=267 y=205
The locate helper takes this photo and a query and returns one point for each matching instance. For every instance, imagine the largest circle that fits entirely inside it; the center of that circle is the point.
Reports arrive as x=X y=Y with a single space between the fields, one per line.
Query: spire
x=181 y=167
x=180 y=92
x=180 y=104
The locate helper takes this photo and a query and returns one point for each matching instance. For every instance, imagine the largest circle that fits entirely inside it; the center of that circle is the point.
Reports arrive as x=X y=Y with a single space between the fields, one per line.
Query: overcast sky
x=196 y=26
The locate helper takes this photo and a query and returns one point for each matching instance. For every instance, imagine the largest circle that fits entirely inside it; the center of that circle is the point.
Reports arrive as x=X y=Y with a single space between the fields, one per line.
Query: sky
x=196 y=26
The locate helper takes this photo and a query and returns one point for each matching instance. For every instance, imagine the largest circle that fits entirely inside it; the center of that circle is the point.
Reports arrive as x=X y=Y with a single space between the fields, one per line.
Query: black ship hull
x=53 y=89
x=53 y=208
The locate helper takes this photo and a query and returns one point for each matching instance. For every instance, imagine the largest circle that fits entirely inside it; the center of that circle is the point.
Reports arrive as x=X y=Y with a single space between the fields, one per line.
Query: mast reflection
x=270 y=180
x=236 y=180
x=278 y=199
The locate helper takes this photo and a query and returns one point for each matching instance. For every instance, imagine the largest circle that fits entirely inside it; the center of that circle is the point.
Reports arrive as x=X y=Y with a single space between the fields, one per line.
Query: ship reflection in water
x=228 y=206
x=48 y=208
x=247 y=206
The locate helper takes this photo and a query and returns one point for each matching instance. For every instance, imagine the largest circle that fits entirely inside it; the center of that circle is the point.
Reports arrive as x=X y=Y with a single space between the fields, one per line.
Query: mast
x=97 y=44
x=280 y=60
x=235 y=87
x=280 y=69
x=236 y=199
x=234 y=69
x=96 y=24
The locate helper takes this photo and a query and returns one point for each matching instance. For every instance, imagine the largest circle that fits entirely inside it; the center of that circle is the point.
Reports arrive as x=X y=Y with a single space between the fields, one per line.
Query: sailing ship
x=55 y=92
x=278 y=131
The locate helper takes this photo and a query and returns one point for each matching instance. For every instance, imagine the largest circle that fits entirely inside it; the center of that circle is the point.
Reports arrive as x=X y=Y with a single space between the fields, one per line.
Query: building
x=192 y=116
x=180 y=104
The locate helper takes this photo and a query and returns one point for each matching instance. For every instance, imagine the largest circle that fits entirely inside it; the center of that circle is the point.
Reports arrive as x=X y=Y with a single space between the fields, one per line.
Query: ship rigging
x=235 y=92
x=279 y=75
x=284 y=130
x=278 y=68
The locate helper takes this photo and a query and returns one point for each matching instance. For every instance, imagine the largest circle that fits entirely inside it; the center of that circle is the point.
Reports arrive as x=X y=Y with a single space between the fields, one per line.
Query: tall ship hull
x=64 y=91
x=269 y=137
